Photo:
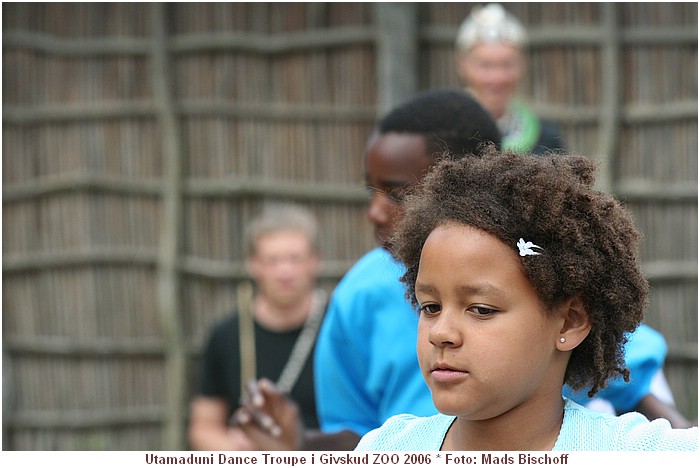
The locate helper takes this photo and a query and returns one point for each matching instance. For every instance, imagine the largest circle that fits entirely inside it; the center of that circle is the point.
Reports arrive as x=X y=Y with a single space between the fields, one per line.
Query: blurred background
x=139 y=138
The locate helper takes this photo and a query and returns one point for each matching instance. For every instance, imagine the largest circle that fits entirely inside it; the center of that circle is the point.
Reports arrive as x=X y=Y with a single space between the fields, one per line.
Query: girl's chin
x=448 y=404
x=449 y=410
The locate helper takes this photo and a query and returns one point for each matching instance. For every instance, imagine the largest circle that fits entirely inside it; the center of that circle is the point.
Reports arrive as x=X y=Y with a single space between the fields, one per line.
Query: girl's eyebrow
x=477 y=289
x=482 y=289
x=424 y=288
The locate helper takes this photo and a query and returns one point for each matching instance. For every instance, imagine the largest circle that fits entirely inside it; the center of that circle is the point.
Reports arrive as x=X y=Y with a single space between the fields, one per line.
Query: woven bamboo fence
x=139 y=138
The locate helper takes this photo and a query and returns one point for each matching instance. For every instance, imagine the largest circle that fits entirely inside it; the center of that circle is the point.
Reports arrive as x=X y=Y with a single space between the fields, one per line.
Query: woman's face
x=492 y=71
x=486 y=342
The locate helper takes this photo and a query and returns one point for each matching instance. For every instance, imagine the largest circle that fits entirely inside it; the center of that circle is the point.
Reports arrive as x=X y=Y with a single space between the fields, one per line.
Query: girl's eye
x=429 y=309
x=482 y=310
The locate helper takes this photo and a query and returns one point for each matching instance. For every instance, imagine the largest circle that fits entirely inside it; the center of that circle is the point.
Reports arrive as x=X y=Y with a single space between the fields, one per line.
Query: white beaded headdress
x=490 y=23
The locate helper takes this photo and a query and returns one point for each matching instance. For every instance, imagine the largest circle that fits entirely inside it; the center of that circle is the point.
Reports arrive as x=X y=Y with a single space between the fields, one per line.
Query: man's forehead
x=398 y=156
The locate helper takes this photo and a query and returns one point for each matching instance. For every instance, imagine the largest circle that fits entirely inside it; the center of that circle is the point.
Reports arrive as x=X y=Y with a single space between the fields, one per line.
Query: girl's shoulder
x=588 y=430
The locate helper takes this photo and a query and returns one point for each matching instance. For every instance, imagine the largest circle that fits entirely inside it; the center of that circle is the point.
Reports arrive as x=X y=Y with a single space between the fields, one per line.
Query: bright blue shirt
x=645 y=352
x=365 y=365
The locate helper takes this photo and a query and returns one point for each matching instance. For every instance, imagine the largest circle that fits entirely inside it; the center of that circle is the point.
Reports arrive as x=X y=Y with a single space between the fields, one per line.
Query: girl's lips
x=447 y=375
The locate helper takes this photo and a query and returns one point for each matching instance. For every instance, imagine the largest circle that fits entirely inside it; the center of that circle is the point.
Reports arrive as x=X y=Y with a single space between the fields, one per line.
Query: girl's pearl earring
x=562 y=340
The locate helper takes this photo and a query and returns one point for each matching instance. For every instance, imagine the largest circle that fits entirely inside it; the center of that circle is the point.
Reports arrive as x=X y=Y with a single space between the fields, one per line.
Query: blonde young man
x=284 y=314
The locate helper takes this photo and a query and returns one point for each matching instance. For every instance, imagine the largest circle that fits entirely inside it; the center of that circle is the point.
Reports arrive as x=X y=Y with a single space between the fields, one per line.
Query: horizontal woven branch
x=321 y=38
x=654 y=191
x=670 y=270
x=230 y=187
x=85 y=419
x=579 y=35
x=66 y=112
x=147 y=258
x=235 y=187
x=314 y=39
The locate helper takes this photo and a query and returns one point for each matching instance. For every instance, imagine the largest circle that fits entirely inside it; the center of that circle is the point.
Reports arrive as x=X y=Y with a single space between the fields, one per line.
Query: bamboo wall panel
x=658 y=148
x=122 y=119
x=654 y=153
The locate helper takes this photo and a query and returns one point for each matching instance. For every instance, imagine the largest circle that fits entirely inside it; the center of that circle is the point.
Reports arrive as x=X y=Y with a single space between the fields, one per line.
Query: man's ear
x=576 y=324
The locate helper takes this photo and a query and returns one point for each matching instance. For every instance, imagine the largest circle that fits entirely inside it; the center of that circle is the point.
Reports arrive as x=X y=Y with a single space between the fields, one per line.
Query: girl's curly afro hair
x=589 y=241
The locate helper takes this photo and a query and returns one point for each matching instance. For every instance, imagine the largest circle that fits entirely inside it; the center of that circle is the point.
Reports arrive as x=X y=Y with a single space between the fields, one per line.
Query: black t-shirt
x=221 y=366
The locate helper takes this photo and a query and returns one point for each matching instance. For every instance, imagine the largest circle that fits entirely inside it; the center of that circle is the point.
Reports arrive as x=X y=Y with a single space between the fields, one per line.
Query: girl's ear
x=576 y=324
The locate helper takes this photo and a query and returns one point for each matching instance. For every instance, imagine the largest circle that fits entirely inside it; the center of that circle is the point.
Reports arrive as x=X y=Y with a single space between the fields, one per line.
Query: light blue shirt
x=582 y=430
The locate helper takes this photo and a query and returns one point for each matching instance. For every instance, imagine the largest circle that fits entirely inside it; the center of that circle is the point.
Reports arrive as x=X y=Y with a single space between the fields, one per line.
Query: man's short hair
x=282 y=217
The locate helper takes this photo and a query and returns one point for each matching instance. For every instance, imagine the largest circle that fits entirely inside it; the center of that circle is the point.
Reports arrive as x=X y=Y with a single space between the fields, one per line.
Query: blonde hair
x=282 y=217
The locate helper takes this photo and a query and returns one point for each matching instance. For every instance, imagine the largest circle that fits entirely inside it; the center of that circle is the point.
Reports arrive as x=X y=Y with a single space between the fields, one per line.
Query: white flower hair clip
x=525 y=248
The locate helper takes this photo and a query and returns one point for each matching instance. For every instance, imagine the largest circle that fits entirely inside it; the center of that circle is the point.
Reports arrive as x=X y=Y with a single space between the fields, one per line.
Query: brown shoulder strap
x=246 y=330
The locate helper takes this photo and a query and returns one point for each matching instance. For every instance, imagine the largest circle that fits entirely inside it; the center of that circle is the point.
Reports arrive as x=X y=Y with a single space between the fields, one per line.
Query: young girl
x=526 y=278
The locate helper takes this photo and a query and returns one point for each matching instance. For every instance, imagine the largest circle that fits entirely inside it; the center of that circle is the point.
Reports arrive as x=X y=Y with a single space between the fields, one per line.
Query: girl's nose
x=445 y=331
